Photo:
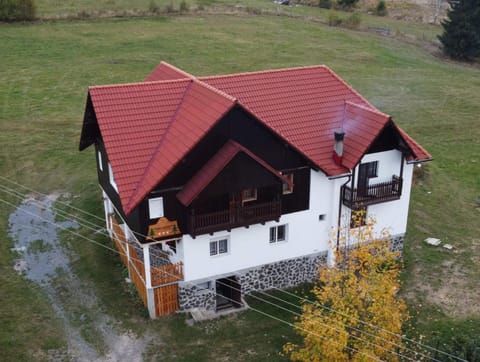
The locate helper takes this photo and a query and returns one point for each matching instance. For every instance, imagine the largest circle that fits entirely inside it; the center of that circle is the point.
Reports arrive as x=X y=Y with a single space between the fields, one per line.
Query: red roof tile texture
x=149 y=127
x=214 y=166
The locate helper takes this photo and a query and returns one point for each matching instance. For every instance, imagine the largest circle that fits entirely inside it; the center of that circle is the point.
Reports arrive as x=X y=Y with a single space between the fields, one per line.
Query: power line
x=193 y=284
x=304 y=299
x=258 y=298
x=426 y=346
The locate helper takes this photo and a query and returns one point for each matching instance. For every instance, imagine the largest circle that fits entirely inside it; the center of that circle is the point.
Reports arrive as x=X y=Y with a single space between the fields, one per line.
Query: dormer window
x=249 y=194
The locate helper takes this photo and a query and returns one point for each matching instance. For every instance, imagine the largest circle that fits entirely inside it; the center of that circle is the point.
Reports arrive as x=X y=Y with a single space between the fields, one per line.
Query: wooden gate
x=166 y=299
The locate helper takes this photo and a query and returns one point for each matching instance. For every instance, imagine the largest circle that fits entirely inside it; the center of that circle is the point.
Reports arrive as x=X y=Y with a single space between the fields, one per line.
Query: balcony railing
x=234 y=217
x=373 y=194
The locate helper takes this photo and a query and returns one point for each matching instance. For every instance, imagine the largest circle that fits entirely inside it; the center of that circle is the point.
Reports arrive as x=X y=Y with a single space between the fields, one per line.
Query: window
x=278 y=233
x=366 y=171
x=155 y=207
x=218 y=247
x=204 y=285
x=286 y=188
x=358 y=217
x=249 y=194
x=100 y=163
x=112 y=179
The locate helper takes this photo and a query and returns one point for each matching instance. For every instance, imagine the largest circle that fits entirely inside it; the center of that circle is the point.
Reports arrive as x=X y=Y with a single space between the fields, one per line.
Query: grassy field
x=45 y=71
x=406 y=30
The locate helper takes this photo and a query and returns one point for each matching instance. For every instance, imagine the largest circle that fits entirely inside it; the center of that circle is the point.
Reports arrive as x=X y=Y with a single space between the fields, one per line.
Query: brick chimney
x=338 y=147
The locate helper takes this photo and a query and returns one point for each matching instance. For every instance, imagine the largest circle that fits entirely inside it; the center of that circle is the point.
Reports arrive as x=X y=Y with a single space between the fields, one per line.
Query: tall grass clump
x=17 y=10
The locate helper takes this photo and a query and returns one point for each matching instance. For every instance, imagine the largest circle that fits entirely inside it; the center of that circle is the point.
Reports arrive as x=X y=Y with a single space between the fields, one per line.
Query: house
x=217 y=186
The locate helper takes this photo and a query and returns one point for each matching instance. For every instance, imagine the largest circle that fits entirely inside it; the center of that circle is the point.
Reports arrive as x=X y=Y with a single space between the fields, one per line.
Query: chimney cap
x=339 y=135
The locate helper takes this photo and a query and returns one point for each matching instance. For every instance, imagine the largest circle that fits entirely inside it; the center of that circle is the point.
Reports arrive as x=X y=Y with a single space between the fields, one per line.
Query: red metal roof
x=165 y=71
x=149 y=127
x=214 y=166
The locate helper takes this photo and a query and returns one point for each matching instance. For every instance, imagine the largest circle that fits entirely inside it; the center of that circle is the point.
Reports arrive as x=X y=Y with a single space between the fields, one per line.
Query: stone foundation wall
x=283 y=274
x=397 y=242
x=191 y=296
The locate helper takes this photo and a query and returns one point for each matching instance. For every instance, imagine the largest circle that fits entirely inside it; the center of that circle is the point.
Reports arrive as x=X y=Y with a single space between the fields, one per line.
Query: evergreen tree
x=461 y=30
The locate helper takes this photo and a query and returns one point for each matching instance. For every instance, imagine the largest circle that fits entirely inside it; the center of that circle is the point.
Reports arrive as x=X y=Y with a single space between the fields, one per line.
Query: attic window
x=155 y=207
x=112 y=179
x=286 y=188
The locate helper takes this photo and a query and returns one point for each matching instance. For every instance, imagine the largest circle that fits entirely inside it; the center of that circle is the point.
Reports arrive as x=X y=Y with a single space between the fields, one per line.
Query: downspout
x=340 y=208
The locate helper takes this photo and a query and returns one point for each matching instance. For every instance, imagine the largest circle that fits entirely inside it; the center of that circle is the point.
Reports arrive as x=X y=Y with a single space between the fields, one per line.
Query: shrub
x=184 y=7
x=334 y=19
x=153 y=7
x=170 y=8
x=347 y=4
x=353 y=21
x=325 y=4
x=381 y=8
x=17 y=10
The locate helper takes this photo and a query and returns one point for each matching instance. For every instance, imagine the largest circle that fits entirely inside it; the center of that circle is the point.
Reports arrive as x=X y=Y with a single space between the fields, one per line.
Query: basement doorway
x=229 y=294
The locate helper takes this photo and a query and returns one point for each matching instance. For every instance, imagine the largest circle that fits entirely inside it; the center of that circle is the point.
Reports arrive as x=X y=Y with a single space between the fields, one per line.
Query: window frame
x=153 y=205
x=216 y=250
x=112 y=178
x=274 y=234
x=100 y=160
x=286 y=188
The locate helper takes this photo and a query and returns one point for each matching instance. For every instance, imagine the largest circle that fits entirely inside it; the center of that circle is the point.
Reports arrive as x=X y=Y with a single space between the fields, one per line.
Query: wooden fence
x=165 y=296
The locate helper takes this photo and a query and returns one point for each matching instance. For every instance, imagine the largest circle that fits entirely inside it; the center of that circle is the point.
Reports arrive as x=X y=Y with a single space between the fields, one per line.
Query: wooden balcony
x=234 y=217
x=373 y=194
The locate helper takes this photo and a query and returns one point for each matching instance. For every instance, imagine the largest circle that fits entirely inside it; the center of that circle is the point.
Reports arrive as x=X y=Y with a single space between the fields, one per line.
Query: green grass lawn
x=44 y=74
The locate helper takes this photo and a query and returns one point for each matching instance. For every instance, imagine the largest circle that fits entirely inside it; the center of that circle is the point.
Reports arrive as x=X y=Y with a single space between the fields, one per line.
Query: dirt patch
x=451 y=292
x=90 y=333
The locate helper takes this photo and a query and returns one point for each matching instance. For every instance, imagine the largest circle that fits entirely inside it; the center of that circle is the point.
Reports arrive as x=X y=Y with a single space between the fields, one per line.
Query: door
x=362 y=185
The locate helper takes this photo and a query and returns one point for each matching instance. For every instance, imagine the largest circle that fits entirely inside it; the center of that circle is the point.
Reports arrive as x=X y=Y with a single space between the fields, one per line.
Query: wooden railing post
x=148 y=282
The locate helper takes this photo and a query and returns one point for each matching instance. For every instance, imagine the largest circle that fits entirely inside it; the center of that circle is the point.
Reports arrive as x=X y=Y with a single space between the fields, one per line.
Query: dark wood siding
x=299 y=199
x=241 y=173
x=137 y=218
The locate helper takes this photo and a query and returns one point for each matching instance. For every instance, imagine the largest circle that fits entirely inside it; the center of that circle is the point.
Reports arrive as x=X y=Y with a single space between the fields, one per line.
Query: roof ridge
x=214 y=89
x=373 y=110
x=139 y=83
x=159 y=145
x=348 y=86
x=278 y=70
x=188 y=75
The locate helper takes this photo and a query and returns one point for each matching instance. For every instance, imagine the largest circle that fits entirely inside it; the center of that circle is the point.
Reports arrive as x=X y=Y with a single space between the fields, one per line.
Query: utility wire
x=304 y=299
x=193 y=284
x=254 y=296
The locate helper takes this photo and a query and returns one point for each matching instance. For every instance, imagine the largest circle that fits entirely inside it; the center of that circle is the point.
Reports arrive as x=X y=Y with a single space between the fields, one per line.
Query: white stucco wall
x=306 y=234
x=391 y=215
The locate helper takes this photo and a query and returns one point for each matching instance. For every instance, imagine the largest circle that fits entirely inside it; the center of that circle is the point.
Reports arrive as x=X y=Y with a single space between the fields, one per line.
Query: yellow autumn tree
x=357 y=315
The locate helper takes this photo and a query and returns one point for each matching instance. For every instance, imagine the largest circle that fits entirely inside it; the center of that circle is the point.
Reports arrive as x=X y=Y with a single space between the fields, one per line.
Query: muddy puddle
x=91 y=334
